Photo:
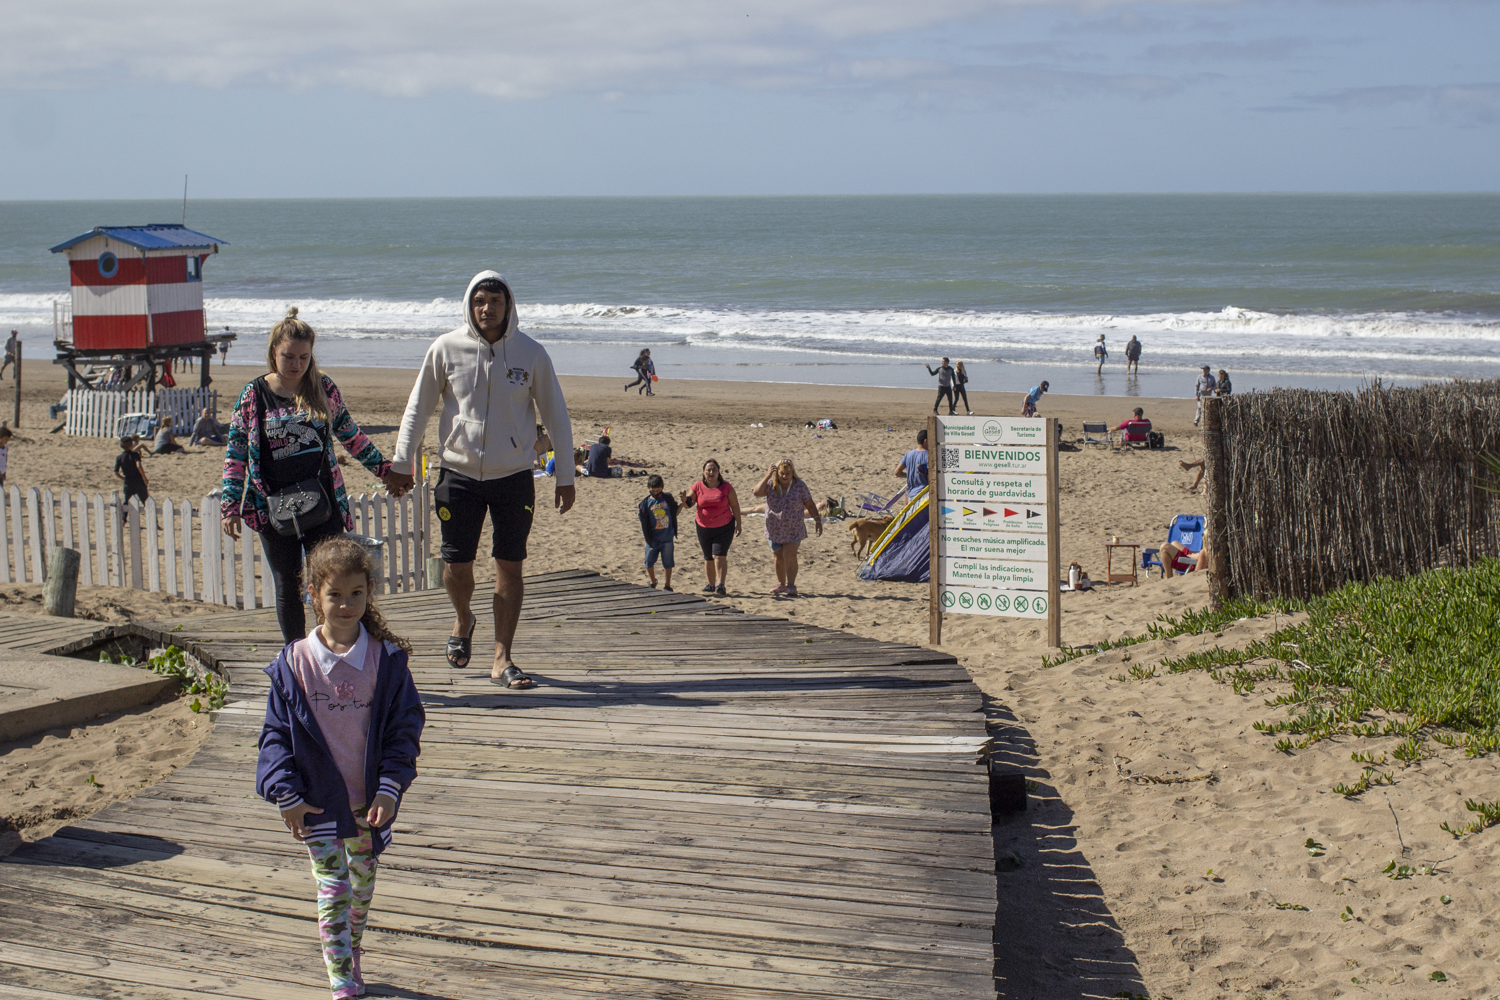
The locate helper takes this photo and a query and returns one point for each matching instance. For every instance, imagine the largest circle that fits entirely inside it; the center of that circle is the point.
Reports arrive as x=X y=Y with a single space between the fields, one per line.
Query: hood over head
x=511 y=320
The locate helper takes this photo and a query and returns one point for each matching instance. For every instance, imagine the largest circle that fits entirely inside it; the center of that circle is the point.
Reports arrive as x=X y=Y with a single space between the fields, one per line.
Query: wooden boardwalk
x=694 y=803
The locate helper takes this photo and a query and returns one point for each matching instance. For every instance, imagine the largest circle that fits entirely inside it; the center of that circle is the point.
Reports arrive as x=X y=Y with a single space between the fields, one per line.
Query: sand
x=1107 y=872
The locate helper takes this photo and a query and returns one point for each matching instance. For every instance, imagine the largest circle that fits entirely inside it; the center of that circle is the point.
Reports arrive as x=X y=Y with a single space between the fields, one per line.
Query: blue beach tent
x=903 y=551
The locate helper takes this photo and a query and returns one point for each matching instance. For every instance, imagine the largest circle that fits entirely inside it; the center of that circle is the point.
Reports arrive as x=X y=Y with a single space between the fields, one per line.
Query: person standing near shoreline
x=1133 y=356
x=944 y=373
x=492 y=381
x=1205 y=387
x=1101 y=355
x=960 y=381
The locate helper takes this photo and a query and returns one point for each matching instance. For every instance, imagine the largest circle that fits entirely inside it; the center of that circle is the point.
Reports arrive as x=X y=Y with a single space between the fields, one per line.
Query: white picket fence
x=97 y=412
x=180 y=548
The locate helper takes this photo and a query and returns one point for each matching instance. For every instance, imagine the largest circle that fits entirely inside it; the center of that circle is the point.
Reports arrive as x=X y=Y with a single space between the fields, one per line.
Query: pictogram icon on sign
x=984 y=602
x=1002 y=603
x=1039 y=605
x=947 y=598
x=1020 y=603
x=966 y=600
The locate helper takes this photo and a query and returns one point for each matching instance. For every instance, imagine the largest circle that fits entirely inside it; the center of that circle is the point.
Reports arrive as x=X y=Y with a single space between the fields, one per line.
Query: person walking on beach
x=719 y=520
x=491 y=381
x=914 y=465
x=787 y=497
x=960 y=381
x=1205 y=387
x=645 y=370
x=1133 y=356
x=12 y=352
x=1101 y=354
x=339 y=748
x=128 y=469
x=280 y=458
x=1028 y=407
x=944 y=373
x=658 y=516
x=1222 y=385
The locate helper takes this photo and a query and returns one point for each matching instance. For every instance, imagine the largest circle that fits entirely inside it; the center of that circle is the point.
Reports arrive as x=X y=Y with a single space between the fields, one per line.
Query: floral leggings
x=345 y=873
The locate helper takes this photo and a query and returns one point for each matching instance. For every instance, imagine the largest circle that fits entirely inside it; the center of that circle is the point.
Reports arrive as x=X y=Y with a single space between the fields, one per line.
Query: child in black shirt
x=128 y=467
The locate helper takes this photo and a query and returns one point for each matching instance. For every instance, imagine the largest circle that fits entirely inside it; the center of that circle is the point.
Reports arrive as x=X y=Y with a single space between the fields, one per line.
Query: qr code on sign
x=950 y=458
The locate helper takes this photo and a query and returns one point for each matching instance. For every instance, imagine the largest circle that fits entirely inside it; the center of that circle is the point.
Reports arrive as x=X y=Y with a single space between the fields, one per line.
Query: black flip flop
x=462 y=645
x=513 y=679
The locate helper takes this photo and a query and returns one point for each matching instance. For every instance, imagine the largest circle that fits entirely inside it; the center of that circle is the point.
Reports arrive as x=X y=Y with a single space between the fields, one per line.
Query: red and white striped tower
x=137 y=286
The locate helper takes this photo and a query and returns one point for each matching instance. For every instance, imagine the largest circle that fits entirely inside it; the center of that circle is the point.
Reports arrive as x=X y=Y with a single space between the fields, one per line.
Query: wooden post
x=1216 y=489
x=434 y=573
x=18 y=382
x=203 y=379
x=935 y=559
x=1054 y=540
x=61 y=589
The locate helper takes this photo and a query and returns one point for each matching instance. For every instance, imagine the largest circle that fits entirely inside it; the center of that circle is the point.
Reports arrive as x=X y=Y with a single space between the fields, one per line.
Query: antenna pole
x=184 y=199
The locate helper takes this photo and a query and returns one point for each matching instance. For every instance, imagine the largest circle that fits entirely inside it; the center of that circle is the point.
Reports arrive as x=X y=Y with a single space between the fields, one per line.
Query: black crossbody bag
x=297 y=509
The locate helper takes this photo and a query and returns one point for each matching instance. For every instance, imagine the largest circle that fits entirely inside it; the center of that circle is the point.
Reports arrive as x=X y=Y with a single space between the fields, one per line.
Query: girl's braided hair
x=336 y=557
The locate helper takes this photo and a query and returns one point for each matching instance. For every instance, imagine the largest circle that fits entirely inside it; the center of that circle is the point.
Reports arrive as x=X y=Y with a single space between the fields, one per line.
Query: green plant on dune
x=1416 y=658
x=1188 y=623
x=170 y=662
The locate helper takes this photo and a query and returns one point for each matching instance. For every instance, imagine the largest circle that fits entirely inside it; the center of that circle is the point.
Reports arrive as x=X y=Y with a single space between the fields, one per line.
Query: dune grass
x=1417 y=658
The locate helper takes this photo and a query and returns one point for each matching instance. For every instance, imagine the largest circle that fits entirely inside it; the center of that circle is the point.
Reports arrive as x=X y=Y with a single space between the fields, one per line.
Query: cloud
x=1255 y=50
x=1466 y=102
x=518 y=50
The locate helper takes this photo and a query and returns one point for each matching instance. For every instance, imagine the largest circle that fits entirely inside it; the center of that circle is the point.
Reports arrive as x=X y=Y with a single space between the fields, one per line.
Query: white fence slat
x=267 y=581
x=4 y=545
x=18 y=533
x=49 y=526
x=67 y=520
x=226 y=568
x=247 y=568
x=187 y=550
x=117 y=541
x=210 y=555
x=101 y=560
x=153 y=576
x=133 y=531
x=404 y=505
x=169 y=550
x=35 y=534
x=85 y=560
x=421 y=526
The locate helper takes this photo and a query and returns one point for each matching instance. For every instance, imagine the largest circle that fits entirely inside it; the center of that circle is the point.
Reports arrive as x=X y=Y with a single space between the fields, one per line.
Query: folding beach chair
x=1101 y=430
x=877 y=504
x=1136 y=433
x=1185 y=530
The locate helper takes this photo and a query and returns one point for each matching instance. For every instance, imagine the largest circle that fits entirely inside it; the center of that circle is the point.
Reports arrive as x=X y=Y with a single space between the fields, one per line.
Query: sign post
x=993 y=520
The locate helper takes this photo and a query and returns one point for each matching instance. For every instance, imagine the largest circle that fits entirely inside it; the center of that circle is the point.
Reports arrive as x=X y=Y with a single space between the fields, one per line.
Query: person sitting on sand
x=1189 y=467
x=164 y=444
x=1136 y=434
x=206 y=430
x=597 y=466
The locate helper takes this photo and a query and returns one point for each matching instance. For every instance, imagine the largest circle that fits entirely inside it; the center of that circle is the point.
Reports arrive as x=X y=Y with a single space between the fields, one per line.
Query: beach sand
x=1143 y=787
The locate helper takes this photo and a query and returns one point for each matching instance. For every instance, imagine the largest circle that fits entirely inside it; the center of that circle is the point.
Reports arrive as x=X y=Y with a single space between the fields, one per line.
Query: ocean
x=1320 y=291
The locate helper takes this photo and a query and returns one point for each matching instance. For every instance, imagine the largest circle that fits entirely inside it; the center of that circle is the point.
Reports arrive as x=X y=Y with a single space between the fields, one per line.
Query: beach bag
x=297 y=509
x=1155 y=441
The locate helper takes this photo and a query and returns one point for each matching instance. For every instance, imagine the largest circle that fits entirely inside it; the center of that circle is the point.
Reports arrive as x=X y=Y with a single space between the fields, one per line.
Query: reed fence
x=1311 y=490
x=98 y=412
x=178 y=546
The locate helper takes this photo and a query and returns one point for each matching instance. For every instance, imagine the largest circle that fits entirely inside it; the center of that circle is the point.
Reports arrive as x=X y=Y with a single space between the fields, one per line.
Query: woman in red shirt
x=718 y=519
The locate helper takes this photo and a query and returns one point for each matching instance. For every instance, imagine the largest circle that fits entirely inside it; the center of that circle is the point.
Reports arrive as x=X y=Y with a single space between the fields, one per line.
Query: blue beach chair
x=1185 y=530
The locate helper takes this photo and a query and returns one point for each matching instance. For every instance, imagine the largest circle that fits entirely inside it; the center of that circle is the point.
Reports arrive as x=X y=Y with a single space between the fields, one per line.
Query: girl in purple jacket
x=339 y=747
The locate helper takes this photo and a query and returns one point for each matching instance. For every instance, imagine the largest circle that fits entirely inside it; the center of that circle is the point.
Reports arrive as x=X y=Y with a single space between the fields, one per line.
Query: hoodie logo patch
x=518 y=376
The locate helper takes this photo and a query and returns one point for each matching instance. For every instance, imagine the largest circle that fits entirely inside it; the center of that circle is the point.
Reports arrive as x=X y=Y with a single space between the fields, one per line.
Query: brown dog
x=865 y=531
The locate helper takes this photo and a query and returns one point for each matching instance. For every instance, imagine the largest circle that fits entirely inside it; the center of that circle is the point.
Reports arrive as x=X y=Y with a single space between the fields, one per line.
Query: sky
x=286 y=98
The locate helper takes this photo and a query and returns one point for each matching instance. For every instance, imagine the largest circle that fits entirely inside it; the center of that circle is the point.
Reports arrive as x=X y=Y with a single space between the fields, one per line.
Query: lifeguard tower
x=137 y=308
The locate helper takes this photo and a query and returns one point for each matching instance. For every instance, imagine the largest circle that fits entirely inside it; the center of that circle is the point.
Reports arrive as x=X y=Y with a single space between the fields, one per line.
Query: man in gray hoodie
x=492 y=382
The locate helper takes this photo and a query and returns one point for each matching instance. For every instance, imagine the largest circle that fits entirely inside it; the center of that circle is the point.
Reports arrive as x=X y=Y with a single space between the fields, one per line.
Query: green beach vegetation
x=1416 y=658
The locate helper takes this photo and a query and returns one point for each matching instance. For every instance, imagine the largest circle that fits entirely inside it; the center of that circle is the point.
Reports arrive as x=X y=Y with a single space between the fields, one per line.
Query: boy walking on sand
x=129 y=469
x=658 y=514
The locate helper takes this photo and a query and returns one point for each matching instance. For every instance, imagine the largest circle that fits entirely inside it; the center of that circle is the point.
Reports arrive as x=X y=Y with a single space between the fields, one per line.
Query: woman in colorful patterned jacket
x=279 y=440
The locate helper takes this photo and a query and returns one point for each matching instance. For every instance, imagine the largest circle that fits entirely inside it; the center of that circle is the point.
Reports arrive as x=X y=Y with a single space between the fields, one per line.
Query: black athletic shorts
x=715 y=541
x=461 y=505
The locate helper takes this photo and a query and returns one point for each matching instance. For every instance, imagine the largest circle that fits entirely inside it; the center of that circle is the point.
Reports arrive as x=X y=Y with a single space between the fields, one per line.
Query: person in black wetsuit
x=944 y=373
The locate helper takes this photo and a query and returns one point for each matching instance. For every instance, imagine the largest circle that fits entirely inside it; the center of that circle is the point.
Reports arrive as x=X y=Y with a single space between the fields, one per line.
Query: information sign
x=993 y=519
